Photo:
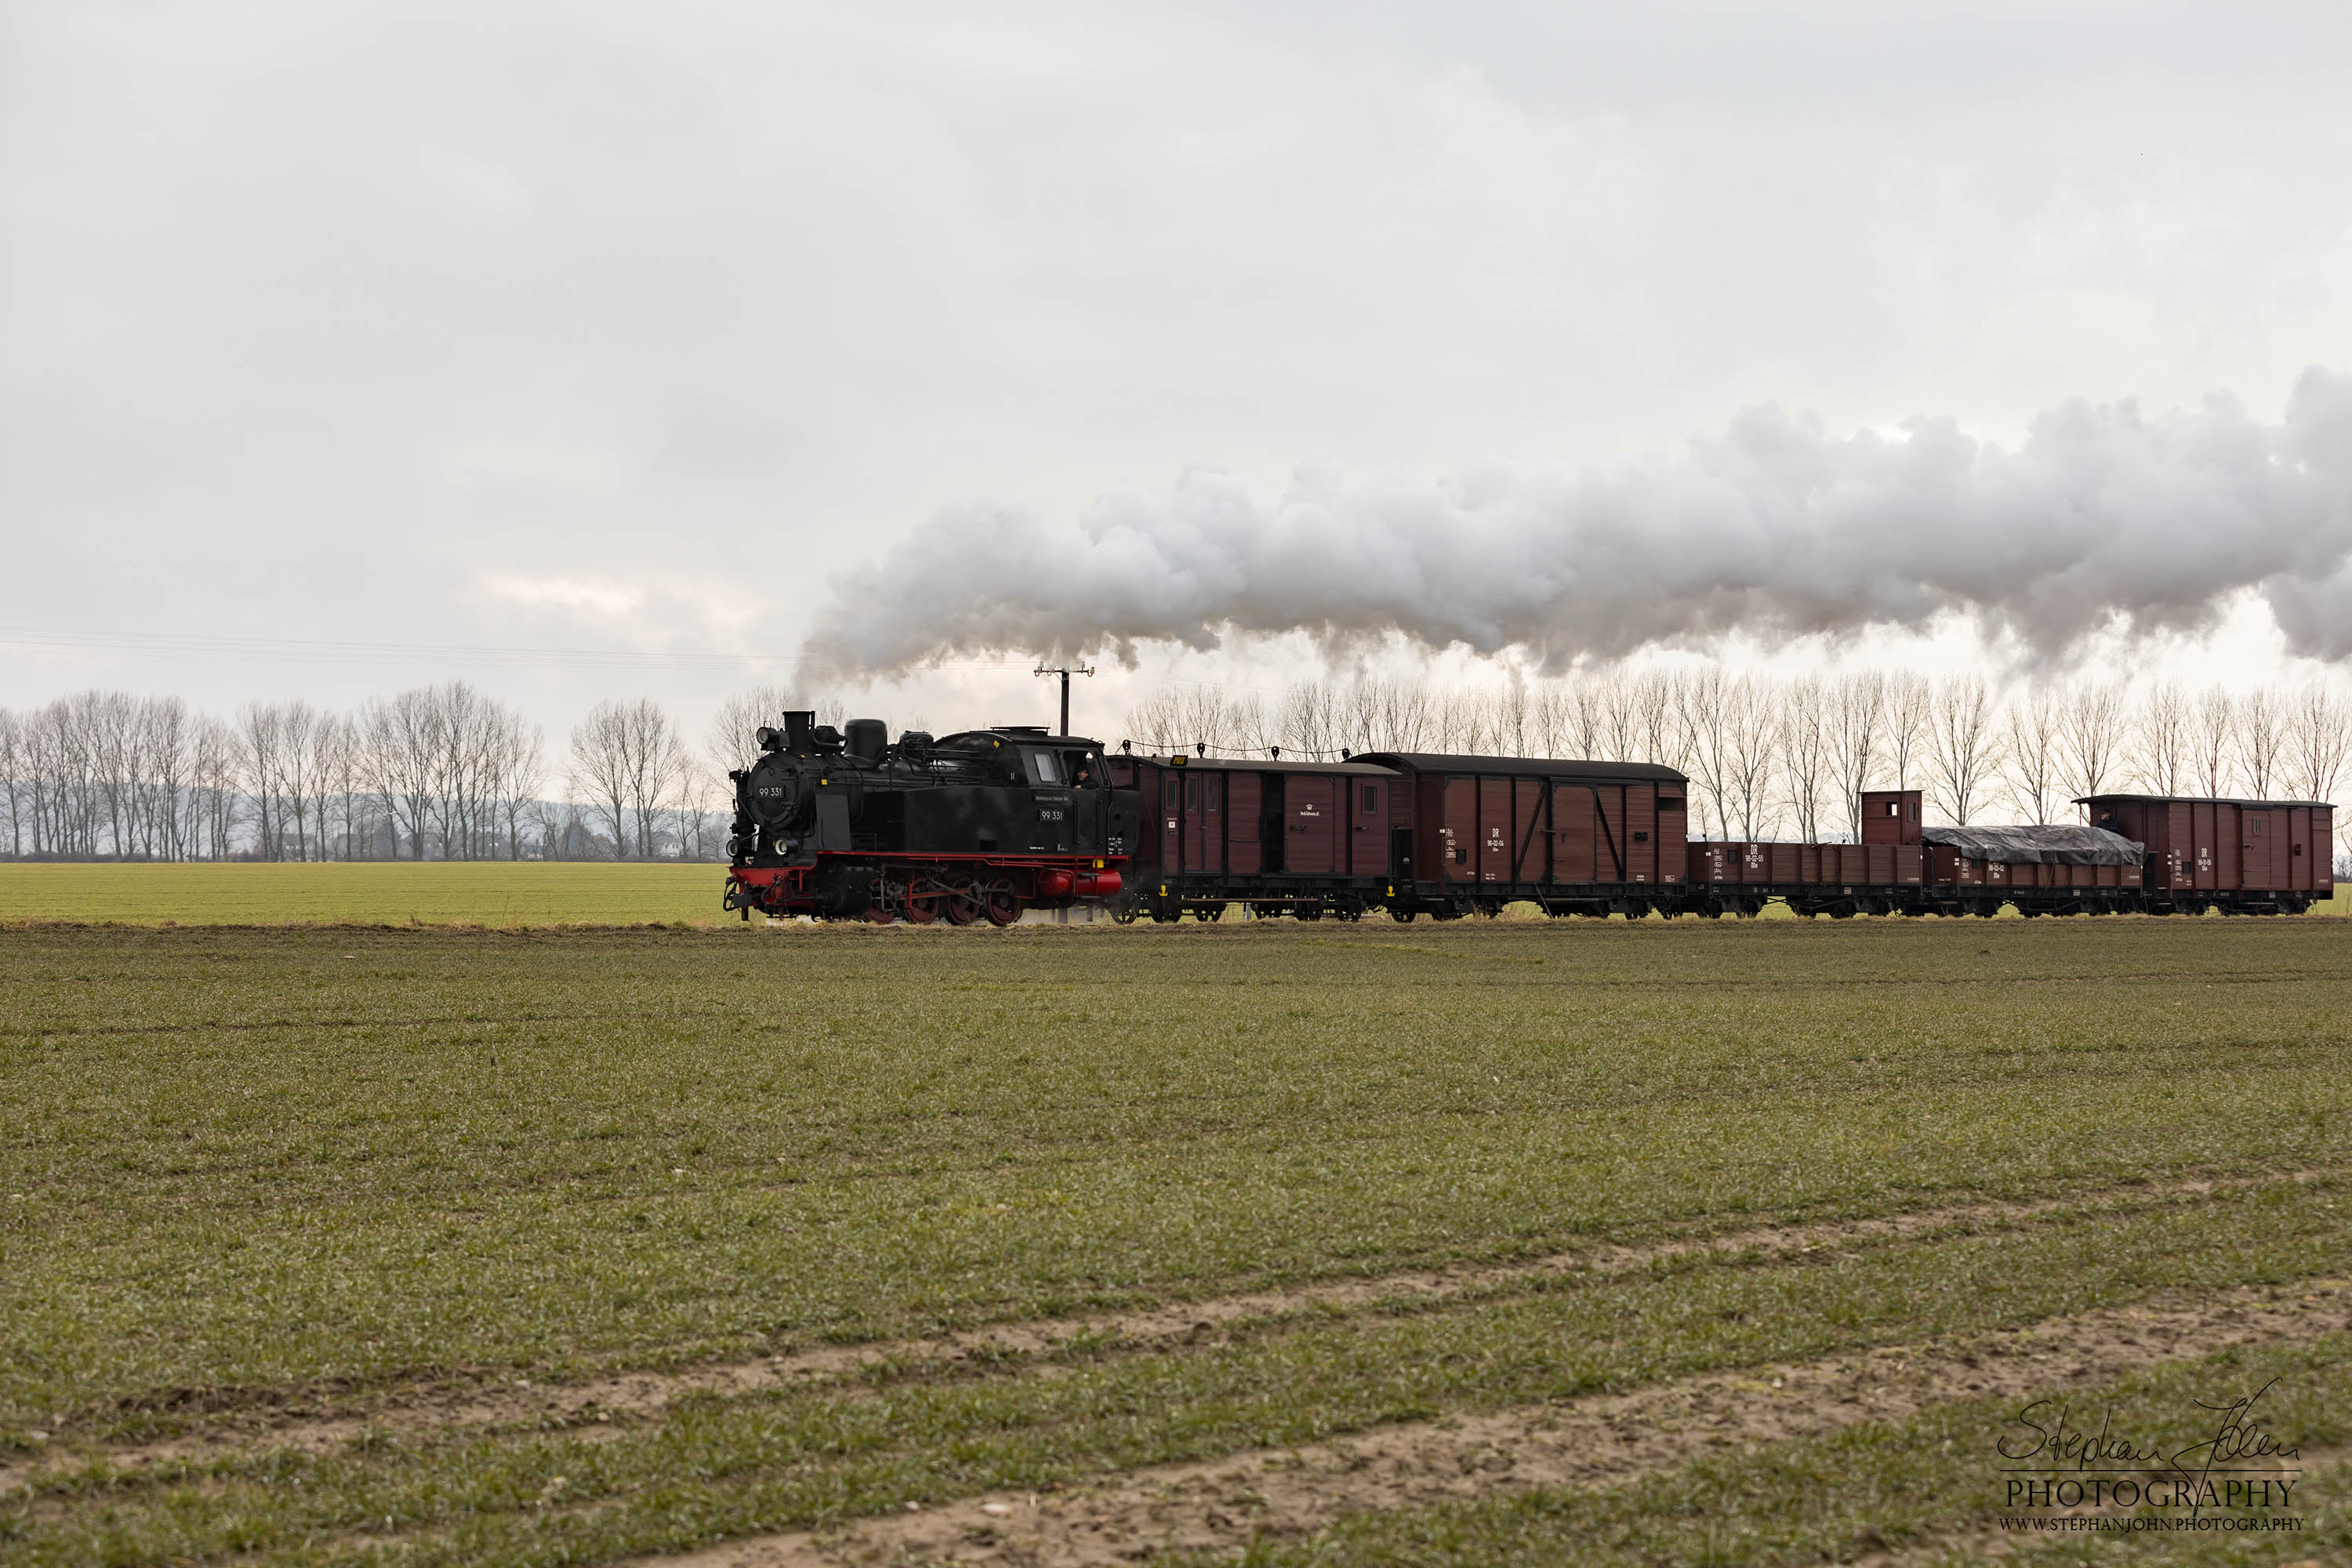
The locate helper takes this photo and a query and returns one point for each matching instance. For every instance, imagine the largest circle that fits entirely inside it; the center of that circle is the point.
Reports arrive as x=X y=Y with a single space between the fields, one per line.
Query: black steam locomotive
x=978 y=826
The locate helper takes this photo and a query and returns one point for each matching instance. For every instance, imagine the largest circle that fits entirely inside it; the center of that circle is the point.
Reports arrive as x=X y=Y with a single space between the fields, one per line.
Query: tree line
x=1770 y=757
x=443 y=772
x=448 y=771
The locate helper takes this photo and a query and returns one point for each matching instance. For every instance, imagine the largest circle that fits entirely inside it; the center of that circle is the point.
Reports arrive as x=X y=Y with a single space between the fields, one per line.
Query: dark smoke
x=1775 y=528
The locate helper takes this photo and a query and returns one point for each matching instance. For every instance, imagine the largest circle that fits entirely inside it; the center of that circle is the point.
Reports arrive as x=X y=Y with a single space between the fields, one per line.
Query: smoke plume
x=2103 y=519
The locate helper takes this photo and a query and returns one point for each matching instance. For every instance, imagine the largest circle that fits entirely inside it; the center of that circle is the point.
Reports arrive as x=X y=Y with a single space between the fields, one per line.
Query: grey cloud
x=1774 y=529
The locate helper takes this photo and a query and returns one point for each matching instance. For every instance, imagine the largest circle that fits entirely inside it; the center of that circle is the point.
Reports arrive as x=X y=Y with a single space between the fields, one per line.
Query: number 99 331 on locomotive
x=845 y=825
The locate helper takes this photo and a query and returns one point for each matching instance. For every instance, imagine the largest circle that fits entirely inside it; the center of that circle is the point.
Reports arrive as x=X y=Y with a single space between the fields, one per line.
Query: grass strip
x=717 y=1468
x=481 y=894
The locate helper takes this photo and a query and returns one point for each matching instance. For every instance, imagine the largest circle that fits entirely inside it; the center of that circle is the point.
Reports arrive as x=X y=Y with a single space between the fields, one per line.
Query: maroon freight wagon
x=1903 y=867
x=1471 y=833
x=2257 y=856
x=1283 y=837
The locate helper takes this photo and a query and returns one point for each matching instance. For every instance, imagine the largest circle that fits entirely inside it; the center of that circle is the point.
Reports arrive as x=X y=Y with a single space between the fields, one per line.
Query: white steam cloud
x=1774 y=529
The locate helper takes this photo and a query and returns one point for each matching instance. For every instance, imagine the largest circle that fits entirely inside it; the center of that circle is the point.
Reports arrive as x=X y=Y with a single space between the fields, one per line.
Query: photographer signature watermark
x=2234 y=1475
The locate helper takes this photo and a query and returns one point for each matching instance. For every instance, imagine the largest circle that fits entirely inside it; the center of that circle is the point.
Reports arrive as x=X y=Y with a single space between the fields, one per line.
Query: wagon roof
x=1259 y=765
x=2196 y=800
x=1444 y=762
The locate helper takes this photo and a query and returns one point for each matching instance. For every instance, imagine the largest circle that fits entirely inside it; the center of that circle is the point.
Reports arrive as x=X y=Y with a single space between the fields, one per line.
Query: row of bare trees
x=1770 y=757
x=433 y=772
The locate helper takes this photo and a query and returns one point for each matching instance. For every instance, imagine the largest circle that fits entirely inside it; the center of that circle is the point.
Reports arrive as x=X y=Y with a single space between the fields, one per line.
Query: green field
x=367 y=892
x=263 y=1177
x=433 y=892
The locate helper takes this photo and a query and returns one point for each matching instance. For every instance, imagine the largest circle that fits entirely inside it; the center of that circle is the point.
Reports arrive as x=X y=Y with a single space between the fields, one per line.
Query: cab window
x=1045 y=769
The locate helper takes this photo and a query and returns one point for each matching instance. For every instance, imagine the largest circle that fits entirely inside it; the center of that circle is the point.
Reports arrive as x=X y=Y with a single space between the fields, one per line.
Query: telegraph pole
x=1064 y=671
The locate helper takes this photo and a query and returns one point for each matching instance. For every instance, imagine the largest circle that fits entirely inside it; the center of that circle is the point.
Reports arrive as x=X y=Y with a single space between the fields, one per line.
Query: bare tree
x=1703 y=698
x=1963 y=746
x=602 y=769
x=2093 y=731
x=1657 y=732
x=2030 y=746
x=261 y=737
x=16 y=789
x=1590 y=699
x=403 y=746
x=1751 y=730
x=627 y=760
x=2261 y=740
x=1858 y=722
x=1390 y=715
x=732 y=741
x=1807 y=728
x=2160 y=739
x=1910 y=716
x=1186 y=718
x=2211 y=733
x=2321 y=731
x=1512 y=718
x=212 y=803
x=1309 y=722
x=521 y=765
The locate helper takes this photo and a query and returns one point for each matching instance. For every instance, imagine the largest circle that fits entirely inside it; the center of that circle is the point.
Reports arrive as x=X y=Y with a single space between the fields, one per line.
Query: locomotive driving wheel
x=1003 y=905
x=964 y=905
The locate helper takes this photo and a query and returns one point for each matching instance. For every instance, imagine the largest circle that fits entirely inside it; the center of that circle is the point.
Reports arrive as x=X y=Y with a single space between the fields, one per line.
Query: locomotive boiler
x=845 y=825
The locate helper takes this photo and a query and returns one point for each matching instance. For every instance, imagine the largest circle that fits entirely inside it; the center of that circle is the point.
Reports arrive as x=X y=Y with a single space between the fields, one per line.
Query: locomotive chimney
x=798 y=723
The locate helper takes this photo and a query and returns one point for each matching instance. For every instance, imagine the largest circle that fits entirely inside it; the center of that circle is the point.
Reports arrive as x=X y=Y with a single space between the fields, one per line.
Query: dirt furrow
x=1220 y=1507
x=319 y=1421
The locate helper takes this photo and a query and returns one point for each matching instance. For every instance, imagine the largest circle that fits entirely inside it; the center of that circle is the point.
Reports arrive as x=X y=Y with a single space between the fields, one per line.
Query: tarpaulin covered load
x=2049 y=846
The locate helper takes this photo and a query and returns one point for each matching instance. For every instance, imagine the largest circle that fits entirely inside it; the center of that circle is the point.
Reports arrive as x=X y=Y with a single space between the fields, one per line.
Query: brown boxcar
x=1305 y=838
x=1471 y=833
x=2262 y=857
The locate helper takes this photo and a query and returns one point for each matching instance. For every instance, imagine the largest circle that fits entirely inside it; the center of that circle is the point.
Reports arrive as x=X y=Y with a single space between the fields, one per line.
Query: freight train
x=987 y=824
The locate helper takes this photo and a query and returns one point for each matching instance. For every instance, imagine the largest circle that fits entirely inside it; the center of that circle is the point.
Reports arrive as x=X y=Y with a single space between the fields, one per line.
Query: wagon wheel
x=1003 y=908
x=1124 y=914
x=1403 y=917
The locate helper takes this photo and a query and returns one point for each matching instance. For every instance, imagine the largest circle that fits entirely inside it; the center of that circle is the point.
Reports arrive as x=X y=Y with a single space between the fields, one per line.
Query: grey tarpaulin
x=2050 y=845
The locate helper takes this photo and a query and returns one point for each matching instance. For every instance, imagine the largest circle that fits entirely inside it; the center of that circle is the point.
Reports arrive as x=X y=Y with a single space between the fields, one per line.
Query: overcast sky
x=628 y=328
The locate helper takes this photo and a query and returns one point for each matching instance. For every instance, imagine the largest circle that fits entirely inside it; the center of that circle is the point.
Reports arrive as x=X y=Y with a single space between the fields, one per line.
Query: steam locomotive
x=844 y=825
